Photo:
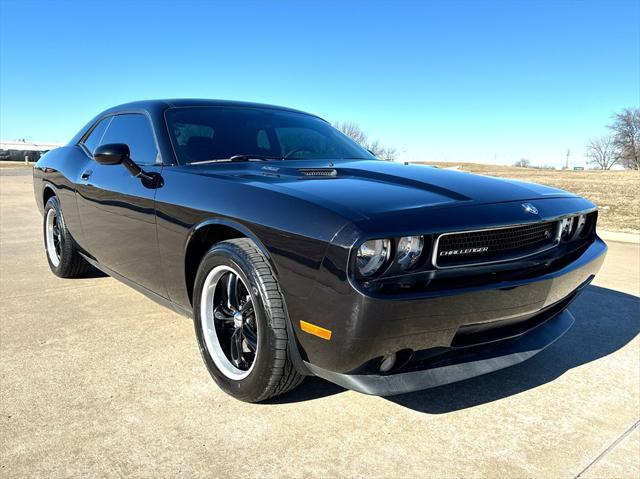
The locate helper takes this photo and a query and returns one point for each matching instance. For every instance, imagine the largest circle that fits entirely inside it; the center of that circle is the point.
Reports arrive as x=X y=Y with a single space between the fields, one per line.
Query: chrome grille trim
x=554 y=243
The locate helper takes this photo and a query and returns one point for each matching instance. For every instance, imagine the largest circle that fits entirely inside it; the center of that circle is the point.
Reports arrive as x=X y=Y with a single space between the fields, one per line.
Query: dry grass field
x=617 y=193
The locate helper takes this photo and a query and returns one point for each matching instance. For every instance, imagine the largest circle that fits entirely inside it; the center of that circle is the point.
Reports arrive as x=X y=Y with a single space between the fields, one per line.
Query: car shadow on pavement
x=312 y=388
x=94 y=272
x=606 y=320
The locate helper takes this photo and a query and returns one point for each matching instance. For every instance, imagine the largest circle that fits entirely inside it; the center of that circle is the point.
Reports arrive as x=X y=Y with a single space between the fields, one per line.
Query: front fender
x=233 y=225
x=59 y=170
x=292 y=233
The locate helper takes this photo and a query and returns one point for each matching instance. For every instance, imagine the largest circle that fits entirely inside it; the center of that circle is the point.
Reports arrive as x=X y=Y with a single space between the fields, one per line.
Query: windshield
x=203 y=134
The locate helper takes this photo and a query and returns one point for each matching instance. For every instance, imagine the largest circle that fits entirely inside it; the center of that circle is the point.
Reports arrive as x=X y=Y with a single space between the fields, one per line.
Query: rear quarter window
x=92 y=140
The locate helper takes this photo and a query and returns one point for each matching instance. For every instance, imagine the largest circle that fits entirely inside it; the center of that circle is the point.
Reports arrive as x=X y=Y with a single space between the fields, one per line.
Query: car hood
x=366 y=189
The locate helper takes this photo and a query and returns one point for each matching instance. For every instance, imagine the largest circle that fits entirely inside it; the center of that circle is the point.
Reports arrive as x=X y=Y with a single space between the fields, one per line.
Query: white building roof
x=28 y=145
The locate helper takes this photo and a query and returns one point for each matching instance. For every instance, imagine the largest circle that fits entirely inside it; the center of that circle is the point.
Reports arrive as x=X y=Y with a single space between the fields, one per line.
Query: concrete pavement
x=96 y=380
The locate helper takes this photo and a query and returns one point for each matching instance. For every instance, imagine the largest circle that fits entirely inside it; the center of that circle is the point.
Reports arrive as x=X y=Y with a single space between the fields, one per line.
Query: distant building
x=17 y=150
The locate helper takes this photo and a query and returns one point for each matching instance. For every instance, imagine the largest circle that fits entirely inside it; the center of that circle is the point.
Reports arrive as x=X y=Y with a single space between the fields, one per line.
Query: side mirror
x=118 y=154
x=111 y=154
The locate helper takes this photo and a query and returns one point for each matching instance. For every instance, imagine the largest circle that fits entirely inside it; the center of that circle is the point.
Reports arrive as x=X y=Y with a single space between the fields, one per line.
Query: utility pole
x=566 y=166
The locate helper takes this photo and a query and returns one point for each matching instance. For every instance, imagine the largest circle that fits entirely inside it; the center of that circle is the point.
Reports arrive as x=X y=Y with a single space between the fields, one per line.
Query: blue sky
x=460 y=81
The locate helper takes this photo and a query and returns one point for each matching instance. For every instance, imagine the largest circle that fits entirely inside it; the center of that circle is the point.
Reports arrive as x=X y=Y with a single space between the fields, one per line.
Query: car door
x=116 y=209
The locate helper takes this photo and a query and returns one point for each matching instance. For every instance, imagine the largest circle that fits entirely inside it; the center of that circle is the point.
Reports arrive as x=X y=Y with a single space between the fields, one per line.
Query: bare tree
x=388 y=153
x=374 y=147
x=523 y=163
x=353 y=131
x=626 y=136
x=602 y=152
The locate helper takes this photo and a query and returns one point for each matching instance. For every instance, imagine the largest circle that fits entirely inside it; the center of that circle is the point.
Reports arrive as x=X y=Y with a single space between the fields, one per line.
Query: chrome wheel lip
x=208 y=322
x=51 y=236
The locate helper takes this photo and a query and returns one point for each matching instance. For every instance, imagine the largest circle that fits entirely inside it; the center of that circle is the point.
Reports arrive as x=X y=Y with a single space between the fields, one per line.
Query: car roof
x=156 y=108
x=158 y=105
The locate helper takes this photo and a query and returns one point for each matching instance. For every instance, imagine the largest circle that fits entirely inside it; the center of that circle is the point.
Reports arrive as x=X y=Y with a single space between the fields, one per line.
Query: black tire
x=273 y=372
x=69 y=262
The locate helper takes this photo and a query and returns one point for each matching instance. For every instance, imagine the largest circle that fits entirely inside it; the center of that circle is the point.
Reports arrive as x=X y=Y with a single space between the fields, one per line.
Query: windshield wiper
x=237 y=158
x=253 y=157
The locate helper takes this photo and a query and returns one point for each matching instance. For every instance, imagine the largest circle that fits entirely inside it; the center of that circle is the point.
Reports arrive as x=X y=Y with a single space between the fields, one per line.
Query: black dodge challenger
x=297 y=252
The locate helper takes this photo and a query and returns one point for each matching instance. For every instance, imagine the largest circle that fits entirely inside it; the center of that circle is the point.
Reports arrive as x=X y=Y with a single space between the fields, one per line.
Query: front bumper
x=458 y=368
x=365 y=329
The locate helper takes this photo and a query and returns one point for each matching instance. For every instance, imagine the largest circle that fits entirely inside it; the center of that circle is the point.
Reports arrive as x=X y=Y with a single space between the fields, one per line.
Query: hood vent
x=322 y=172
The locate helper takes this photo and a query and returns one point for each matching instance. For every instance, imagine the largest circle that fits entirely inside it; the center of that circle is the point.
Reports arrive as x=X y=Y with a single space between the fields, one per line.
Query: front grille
x=494 y=245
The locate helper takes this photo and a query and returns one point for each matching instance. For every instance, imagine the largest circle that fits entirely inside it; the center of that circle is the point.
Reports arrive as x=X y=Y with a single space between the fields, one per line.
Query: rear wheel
x=240 y=323
x=62 y=254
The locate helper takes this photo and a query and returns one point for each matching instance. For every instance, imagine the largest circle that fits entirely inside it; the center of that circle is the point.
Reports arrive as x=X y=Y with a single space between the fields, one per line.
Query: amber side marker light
x=315 y=330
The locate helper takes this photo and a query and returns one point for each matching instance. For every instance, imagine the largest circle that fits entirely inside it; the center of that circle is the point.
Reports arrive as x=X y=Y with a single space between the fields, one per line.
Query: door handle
x=86 y=174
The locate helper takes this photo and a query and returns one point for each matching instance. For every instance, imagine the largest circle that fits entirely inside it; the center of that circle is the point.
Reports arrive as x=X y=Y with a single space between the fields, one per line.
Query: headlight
x=409 y=250
x=372 y=255
x=566 y=225
x=582 y=220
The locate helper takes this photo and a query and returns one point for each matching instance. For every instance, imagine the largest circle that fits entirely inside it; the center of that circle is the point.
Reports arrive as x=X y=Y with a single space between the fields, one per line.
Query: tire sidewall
x=256 y=382
x=54 y=204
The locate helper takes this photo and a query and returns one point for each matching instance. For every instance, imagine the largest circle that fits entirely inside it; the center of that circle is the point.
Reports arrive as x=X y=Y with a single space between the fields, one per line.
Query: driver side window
x=134 y=130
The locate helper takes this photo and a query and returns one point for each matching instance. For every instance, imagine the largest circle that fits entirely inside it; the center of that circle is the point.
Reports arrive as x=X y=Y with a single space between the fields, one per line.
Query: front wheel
x=240 y=323
x=62 y=254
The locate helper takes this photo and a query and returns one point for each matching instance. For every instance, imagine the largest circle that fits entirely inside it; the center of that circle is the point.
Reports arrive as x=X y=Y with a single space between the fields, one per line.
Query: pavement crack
x=609 y=449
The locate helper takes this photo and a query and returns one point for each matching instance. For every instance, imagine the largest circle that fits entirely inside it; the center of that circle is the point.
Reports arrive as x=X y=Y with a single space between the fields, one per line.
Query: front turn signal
x=315 y=330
